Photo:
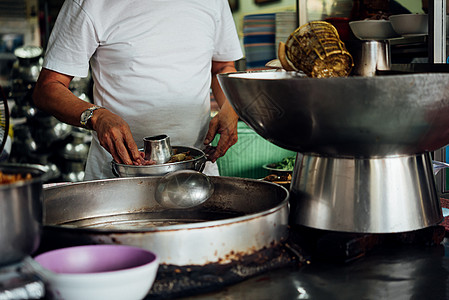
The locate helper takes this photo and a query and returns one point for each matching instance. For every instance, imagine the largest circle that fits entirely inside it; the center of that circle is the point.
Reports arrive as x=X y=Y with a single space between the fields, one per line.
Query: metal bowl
x=409 y=25
x=373 y=30
x=351 y=117
x=198 y=163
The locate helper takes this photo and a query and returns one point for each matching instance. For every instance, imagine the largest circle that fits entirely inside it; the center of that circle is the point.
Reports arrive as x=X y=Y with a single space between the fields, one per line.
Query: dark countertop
x=393 y=272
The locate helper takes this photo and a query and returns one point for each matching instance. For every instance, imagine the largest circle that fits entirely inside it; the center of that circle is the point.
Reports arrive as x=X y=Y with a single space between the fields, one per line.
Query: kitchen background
x=39 y=138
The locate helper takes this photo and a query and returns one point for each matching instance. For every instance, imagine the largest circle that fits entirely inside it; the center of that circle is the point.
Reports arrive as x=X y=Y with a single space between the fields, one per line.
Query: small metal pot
x=198 y=163
x=28 y=64
x=157 y=148
x=20 y=213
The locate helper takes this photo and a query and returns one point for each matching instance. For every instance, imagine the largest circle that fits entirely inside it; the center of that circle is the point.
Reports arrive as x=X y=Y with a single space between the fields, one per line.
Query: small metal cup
x=157 y=148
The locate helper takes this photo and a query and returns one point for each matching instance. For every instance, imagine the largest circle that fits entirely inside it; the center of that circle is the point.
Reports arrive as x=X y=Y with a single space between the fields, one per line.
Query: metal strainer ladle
x=183 y=189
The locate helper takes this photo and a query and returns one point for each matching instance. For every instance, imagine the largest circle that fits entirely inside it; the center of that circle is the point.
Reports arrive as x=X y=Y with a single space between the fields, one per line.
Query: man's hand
x=115 y=136
x=225 y=124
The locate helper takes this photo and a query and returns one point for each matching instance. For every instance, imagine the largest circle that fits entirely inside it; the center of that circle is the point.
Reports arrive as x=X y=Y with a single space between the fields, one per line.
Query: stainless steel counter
x=402 y=272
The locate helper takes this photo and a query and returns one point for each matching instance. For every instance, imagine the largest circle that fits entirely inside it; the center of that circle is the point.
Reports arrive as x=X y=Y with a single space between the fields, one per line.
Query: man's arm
x=52 y=95
x=225 y=122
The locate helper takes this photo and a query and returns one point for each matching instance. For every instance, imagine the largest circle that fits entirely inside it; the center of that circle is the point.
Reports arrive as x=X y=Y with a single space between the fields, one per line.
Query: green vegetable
x=287 y=163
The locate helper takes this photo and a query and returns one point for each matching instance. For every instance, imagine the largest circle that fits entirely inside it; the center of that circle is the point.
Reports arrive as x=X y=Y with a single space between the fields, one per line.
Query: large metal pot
x=20 y=213
x=242 y=217
x=365 y=141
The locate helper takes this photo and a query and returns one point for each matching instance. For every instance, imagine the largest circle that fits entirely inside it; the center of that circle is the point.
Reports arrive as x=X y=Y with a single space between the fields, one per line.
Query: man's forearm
x=51 y=94
x=218 y=68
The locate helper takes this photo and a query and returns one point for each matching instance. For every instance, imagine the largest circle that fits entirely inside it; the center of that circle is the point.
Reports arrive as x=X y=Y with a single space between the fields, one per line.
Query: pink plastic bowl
x=98 y=272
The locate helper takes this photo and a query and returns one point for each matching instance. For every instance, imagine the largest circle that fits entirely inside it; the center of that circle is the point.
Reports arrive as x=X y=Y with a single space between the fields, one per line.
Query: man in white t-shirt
x=153 y=63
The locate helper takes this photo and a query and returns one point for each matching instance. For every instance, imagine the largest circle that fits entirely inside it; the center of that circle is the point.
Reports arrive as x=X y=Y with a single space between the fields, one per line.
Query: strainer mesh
x=316 y=49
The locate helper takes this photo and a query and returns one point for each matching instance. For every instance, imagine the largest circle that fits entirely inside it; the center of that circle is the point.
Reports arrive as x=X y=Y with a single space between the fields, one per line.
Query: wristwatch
x=87 y=114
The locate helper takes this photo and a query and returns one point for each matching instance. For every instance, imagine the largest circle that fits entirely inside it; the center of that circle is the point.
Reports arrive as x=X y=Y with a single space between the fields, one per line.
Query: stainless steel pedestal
x=376 y=195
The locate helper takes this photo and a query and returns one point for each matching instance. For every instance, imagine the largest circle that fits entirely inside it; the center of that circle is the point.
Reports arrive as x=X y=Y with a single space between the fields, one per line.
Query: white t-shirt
x=150 y=62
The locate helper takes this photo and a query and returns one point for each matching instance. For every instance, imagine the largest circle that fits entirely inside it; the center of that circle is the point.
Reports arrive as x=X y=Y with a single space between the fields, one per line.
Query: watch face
x=85 y=116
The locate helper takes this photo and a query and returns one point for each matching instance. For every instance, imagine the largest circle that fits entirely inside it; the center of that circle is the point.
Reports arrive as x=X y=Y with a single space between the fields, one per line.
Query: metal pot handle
x=114 y=171
x=200 y=164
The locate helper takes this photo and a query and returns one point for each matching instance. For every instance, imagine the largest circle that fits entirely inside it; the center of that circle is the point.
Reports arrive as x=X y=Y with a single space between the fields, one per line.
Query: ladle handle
x=439 y=165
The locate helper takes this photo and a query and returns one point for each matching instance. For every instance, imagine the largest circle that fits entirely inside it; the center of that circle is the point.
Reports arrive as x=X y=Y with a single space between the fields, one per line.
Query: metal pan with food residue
x=242 y=217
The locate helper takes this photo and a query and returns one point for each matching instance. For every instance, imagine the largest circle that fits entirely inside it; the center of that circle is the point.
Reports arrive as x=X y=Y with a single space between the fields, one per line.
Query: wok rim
x=196 y=225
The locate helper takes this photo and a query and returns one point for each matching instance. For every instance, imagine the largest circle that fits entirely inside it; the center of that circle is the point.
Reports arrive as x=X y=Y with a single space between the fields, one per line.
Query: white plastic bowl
x=98 y=272
x=373 y=30
x=410 y=24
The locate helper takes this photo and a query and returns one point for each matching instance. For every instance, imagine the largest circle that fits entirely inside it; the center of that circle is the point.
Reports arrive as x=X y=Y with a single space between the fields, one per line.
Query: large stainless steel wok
x=365 y=141
x=242 y=217
x=354 y=117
